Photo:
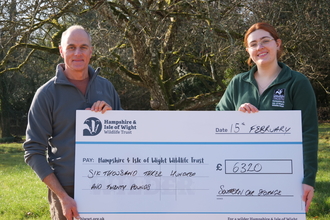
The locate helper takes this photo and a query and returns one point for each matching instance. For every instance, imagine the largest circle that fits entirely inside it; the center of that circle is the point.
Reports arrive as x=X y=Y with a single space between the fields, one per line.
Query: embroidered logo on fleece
x=278 y=98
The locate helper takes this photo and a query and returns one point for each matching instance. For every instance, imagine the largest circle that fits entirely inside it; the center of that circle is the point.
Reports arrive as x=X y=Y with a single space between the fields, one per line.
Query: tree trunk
x=4 y=93
x=5 y=108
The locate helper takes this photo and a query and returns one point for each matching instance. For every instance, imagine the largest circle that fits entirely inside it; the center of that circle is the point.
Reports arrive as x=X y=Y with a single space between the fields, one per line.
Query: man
x=51 y=119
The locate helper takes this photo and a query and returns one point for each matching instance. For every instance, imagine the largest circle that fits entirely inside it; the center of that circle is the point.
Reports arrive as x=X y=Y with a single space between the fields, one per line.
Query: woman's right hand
x=247 y=107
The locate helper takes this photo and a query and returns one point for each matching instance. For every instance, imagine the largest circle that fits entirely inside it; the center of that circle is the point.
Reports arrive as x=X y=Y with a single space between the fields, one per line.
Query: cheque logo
x=94 y=126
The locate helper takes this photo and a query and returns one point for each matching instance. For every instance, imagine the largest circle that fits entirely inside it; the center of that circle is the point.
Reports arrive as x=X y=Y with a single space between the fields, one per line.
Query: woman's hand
x=247 y=107
x=308 y=195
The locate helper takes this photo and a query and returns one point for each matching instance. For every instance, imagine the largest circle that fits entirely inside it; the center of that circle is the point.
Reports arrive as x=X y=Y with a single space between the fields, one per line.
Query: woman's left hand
x=308 y=195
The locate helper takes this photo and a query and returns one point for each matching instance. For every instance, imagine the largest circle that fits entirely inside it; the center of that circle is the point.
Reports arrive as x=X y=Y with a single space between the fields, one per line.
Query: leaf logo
x=94 y=127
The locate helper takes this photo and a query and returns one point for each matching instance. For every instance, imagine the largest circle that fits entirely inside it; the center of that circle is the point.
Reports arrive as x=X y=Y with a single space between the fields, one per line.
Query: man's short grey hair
x=75 y=27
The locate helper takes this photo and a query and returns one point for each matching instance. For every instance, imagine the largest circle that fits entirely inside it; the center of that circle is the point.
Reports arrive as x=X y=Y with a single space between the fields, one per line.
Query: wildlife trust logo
x=94 y=126
x=278 y=98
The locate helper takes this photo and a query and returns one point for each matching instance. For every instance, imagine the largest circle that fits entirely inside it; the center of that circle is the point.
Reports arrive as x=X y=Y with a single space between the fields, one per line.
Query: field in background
x=24 y=196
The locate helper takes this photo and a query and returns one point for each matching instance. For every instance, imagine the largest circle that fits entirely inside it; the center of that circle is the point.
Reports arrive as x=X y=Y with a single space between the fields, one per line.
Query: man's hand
x=308 y=195
x=100 y=106
x=69 y=206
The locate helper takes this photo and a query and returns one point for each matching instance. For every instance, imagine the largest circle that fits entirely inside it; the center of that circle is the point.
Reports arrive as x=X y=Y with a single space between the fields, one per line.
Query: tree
x=7 y=39
x=169 y=47
x=17 y=40
x=181 y=52
x=172 y=46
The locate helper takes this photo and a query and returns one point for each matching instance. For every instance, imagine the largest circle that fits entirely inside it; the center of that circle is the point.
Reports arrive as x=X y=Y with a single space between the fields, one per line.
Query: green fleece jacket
x=291 y=90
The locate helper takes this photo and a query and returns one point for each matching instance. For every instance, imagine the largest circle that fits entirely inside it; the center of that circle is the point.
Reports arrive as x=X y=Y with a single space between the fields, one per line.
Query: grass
x=320 y=208
x=24 y=196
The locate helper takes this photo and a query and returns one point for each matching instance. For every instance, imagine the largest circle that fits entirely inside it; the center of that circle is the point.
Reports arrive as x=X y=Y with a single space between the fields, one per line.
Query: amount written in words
x=99 y=186
x=149 y=173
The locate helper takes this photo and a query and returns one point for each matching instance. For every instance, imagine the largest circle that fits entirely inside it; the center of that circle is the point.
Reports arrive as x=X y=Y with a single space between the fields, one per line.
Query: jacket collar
x=60 y=77
x=285 y=74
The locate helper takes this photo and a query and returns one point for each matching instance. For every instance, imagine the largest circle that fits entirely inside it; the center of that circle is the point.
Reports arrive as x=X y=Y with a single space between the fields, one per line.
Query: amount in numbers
x=240 y=167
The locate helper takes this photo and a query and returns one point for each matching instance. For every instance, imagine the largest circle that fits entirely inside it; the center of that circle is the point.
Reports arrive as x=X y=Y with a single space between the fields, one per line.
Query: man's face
x=76 y=51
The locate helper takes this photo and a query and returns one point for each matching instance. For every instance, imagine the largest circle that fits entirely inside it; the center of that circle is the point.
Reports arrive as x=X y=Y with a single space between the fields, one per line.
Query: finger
x=308 y=193
x=67 y=214
x=249 y=109
x=308 y=203
x=242 y=109
x=308 y=200
x=246 y=108
x=75 y=213
x=96 y=106
x=106 y=108
x=254 y=109
x=100 y=106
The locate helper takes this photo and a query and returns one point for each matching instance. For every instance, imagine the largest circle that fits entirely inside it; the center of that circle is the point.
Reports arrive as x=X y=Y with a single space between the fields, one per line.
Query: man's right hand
x=68 y=204
x=69 y=208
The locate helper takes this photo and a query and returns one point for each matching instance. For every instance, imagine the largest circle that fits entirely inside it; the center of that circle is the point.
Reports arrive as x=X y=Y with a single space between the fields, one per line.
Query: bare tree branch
x=21 y=65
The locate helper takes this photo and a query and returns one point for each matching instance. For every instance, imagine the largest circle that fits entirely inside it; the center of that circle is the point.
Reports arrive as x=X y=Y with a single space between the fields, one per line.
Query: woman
x=271 y=85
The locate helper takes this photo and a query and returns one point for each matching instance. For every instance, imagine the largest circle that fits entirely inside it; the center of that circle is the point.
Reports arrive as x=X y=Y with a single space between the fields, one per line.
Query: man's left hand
x=100 y=106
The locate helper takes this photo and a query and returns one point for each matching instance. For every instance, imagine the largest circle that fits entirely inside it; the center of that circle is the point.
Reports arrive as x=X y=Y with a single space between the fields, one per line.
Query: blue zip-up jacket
x=291 y=90
x=50 y=133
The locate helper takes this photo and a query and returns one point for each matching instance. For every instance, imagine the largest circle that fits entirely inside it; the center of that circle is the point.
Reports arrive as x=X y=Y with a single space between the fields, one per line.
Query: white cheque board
x=189 y=165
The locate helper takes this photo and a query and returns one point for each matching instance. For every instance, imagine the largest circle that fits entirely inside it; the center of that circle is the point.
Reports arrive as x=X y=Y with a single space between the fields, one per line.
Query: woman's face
x=262 y=47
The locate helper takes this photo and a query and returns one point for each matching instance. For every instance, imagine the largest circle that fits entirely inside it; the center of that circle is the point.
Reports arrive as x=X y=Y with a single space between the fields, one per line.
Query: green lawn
x=24 y=196
x=320 y=208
